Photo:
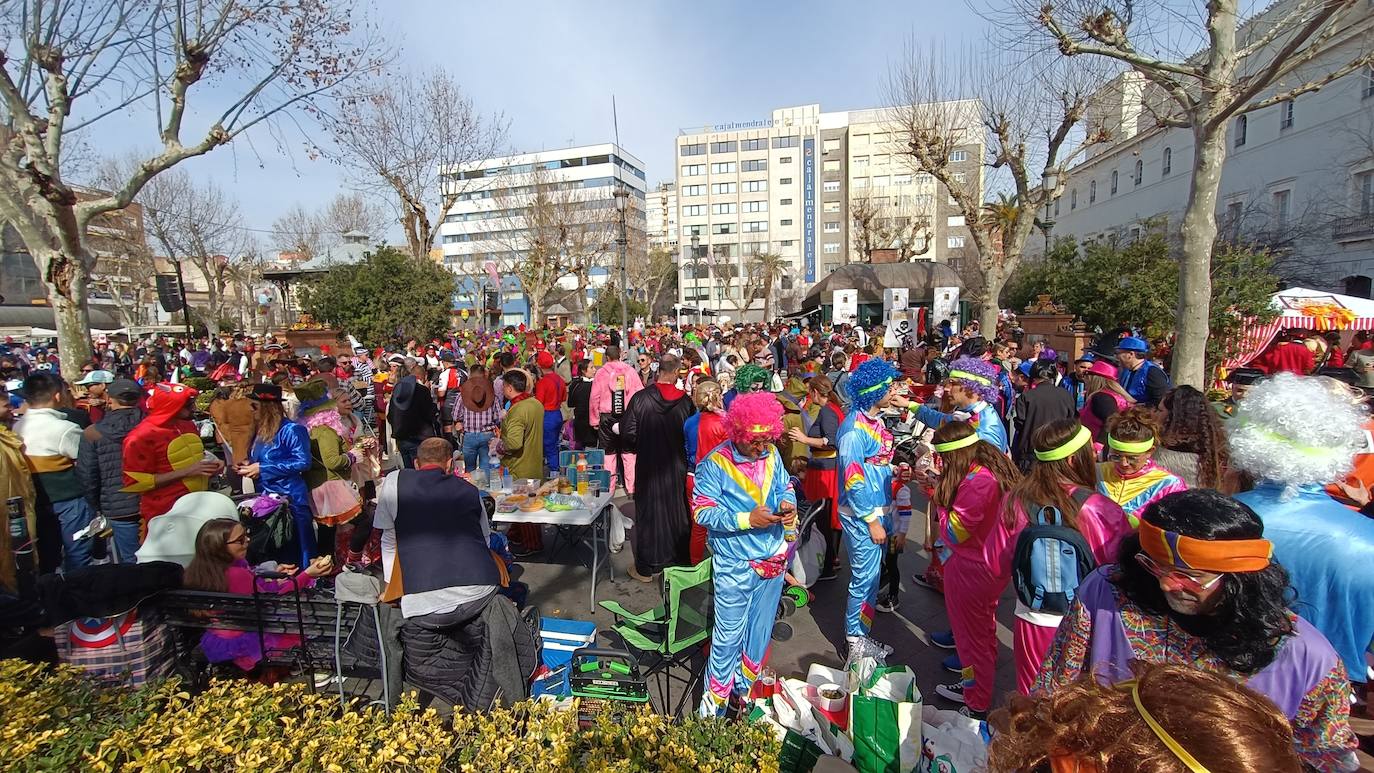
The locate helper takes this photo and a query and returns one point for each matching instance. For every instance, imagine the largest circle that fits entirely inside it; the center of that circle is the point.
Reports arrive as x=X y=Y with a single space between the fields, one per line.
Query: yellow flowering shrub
x=58 y=719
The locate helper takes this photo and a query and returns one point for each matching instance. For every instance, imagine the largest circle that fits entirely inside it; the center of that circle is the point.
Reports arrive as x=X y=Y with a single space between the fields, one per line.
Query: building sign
x=844 y=307
x=764 y=123
x=809 y=208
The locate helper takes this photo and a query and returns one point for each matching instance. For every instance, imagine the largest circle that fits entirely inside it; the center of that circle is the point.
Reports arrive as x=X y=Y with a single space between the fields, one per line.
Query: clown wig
x=754 y=414
x=1298 y=430
x=868 y=383
x=977 y=376
x=748 y=374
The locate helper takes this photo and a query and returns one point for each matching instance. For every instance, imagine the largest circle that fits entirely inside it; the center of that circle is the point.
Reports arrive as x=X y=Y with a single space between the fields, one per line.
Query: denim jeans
x=73 y=515
x=475 y=453
x=125 y=539
x=408 y=449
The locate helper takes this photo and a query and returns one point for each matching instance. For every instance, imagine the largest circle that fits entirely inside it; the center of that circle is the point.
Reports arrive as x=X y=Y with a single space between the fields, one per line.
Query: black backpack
x=1051 y=559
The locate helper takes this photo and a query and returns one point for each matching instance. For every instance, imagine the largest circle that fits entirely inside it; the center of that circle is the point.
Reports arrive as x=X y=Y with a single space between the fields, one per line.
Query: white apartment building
x=784 y=185
x=485 y=232
x=660 y=216
x=1298 y=175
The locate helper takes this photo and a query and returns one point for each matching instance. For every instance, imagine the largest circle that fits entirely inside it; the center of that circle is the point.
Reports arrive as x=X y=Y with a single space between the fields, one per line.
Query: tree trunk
x=993 y=280
x=535 y=301
x=1199 y=232
x=72 y=319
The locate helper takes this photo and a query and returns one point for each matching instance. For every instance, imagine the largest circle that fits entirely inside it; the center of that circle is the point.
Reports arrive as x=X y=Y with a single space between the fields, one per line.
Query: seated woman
x=220 y=565
x=1198 y=587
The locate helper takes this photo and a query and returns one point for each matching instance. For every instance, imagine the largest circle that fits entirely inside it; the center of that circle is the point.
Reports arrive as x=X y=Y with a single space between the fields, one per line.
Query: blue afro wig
x=976 y=375
x=867 y=384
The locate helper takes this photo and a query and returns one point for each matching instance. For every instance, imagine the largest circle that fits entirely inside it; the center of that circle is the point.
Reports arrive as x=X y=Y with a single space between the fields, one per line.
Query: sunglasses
x=1179 y=580
x=242 y=540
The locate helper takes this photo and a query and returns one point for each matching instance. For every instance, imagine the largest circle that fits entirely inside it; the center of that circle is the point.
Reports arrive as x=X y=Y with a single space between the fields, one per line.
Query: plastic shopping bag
x=885 y=721
x=951 y=742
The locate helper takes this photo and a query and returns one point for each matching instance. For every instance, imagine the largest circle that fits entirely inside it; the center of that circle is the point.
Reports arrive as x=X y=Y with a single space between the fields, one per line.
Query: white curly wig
x=1298 y=430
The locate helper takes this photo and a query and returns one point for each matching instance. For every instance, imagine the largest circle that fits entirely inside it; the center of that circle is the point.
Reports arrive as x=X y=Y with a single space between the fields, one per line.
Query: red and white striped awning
x=1355 y=314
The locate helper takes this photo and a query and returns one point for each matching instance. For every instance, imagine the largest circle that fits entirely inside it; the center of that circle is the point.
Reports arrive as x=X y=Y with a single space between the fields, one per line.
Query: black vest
x=439 y=532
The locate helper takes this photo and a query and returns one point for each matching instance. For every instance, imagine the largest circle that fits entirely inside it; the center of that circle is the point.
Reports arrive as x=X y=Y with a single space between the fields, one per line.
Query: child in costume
x=1130 y=476
x=972 y=385
x=865 y=461
x=744 y=498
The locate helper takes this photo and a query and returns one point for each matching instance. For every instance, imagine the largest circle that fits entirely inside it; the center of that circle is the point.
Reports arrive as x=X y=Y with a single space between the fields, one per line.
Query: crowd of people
x=1155 y=538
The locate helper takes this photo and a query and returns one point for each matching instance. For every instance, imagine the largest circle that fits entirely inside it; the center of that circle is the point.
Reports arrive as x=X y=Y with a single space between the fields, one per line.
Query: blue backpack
x=1051 y=559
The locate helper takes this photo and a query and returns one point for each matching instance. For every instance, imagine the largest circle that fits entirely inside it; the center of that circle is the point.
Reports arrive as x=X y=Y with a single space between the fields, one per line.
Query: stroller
x=805 y=555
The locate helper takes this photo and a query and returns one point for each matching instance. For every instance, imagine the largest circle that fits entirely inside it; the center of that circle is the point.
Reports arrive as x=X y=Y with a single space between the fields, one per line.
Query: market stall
x=1304 y=309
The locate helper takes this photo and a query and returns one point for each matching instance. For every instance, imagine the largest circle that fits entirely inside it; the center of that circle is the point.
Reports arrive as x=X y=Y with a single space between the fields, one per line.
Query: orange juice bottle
x=582 y=475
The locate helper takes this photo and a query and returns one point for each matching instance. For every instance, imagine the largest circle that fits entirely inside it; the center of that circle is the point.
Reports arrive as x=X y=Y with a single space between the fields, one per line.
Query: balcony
x=1353 y=229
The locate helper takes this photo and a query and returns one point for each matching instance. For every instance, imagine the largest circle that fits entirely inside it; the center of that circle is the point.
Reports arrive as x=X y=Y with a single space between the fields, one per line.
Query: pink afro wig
x=749 y=412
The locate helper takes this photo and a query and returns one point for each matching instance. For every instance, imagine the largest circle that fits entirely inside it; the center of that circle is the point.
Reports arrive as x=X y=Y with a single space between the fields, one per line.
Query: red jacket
x=551 y=391
x=1290 y=357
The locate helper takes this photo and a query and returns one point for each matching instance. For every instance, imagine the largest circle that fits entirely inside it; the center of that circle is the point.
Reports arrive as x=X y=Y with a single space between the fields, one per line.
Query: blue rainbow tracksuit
x=865 y=459
x=748 y=564
x=986 y=423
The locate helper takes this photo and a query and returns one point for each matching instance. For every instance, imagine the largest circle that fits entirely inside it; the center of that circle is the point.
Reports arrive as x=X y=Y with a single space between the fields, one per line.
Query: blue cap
x=1025 y=368
x=1131 y=344
x=1087 y=356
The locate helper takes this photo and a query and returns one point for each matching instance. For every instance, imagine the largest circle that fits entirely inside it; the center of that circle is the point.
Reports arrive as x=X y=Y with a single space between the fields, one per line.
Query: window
x=1092 y=191
x=880 y=181
x=831 y=228
x=754 y=165
x=901 y=179
x=832 y=207
x=1073 y=199
x=959 y=177
x=694 y=190
x=727 y=167
x=1056 y=206
x=882 y=159
x=954 y=242
x=1364 y=192
x=718 y=189
x=755 y=206
x=1285 y=114
x=958 y=156
x=859 y=182
x=955 y=221
x=693 y=170
x=860 y=162
x=786 y=243
x=694 y=230
x=755 y=186
x=860 y=140
x=830 y=146
x=786 y=142
x=758 y=144
x=830 y=166
x=723 y=209
x=694 y=210
x=1232 y=221
x=723 y=147
x=923 y=178
x=753 y=248
x=1242 y=123
x=693 y=150
x=923 y=201
x=723 y=228
x=830 y=249
x=785 y=181
x=1281 y=202
x=755 y=226
x=832 y=186
x=785 y=222
x=1167 y=163
x=1114 y=177
x=1139 y=171
x=788 y=160
x=1368 y=82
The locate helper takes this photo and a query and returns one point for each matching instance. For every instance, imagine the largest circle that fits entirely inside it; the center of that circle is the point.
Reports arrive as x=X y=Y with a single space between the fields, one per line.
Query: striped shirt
x=477 y=421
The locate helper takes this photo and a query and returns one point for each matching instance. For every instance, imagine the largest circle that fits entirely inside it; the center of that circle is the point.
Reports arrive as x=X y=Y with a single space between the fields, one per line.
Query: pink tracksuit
x=1103 y=524
x=972 y=582
x=602 y=402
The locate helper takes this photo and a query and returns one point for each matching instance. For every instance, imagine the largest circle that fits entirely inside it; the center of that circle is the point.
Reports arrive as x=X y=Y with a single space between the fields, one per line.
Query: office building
x=1298 y=176
x=660 y=216
x=492 y=226
x=786 y=186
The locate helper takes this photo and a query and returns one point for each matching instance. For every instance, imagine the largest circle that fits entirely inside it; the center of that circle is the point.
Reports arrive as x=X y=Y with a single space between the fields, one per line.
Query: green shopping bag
x=798 y=754
x=885 y=721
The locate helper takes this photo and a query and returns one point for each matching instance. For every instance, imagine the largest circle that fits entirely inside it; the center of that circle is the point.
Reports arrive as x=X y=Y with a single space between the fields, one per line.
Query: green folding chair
x=667 y=640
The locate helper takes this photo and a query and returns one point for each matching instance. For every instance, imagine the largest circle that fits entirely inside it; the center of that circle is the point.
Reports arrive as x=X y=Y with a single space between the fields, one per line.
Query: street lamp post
x=1048 y=182
x=622 y=202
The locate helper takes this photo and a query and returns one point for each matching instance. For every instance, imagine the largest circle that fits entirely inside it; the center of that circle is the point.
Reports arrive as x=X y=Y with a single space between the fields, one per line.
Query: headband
x=1130 y=446
x=1169 y=548
x=884 y=384
x=1189 y=761
x=974 y=377
x=762 y=429
x=1070 y=447
x=1295 y=446
x=954 y=445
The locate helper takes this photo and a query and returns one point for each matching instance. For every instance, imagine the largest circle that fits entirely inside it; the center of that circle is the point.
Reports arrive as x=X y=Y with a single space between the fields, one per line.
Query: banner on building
x=809 y=208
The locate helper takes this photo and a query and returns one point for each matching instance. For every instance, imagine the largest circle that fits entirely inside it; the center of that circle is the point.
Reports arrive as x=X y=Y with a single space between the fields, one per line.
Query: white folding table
x=594 y=519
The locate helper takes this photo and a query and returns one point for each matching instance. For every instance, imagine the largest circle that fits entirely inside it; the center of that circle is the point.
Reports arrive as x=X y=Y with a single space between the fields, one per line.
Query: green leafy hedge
x=57 y=719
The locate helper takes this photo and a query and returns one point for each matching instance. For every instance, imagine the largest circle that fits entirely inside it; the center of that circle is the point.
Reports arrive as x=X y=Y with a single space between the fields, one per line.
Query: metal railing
x=1357 y=226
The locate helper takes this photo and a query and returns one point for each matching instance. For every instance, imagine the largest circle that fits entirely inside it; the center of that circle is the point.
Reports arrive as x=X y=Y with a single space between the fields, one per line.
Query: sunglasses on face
x=1130 y=459
x=1179 y=579
x=242 y=539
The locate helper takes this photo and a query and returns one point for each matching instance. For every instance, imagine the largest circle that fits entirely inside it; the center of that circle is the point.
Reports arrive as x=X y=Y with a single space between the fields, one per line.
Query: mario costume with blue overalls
x=749 y=562
x=865 y=459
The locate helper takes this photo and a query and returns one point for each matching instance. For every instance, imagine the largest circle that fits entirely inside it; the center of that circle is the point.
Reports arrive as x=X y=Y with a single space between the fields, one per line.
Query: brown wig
x=1044 y=484
x=1224 y=725
x=1193 y=427
x=206 y=570
x=1095 y=382
x=958 y=462
x=1134 y=425
x=270 y=416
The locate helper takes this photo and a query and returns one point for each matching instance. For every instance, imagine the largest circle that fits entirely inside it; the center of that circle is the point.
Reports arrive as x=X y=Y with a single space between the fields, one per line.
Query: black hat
x=122 y=387
x=1344 y=375
x=1245 y=376
x=267 y=393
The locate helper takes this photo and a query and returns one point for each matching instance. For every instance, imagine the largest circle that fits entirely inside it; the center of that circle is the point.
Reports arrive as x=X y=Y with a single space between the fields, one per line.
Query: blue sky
x=551 y=68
